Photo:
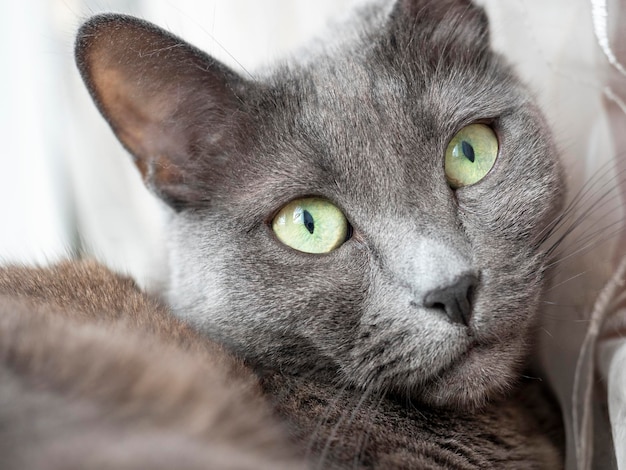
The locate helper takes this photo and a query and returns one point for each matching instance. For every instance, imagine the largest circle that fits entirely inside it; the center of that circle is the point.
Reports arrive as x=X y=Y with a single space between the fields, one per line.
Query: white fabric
x=612 y=366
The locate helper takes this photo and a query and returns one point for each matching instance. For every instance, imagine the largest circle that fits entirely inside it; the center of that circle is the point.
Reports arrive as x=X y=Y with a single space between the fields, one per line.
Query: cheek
x=505 y=302
x=310 y=295
x=516 y=202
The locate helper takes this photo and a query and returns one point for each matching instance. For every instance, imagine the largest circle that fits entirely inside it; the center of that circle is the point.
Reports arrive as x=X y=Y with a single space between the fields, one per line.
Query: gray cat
x=95 y=375
x=429 y=267
x=365 y=227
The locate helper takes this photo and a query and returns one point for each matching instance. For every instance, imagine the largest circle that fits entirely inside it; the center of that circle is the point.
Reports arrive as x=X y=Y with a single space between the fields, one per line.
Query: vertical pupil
x=308 y=221
x=468 y=151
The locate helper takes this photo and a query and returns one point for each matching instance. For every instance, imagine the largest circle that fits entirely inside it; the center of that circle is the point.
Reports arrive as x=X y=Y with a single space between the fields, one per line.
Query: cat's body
x=94 y=374
x=339 y=427
x=429 y=289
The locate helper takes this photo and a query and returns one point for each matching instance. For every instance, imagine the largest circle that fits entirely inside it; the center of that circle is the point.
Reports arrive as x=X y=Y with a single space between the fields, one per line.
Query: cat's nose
x=454 y=299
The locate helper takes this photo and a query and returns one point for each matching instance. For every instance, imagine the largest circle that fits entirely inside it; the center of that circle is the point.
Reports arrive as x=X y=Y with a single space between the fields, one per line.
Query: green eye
x=470 y=155
x=312 y=225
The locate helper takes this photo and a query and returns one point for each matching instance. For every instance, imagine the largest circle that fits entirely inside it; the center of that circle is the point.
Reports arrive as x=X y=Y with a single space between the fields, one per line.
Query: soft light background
x=67 y=185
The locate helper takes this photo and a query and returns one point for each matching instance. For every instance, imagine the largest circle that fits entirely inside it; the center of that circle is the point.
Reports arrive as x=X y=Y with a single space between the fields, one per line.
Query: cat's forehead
x=366 y=124
x=385 y=82
x=378 y=118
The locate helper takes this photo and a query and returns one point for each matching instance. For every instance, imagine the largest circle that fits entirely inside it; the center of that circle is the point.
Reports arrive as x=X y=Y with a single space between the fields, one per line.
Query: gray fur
x=363 y=123
x=94 y=374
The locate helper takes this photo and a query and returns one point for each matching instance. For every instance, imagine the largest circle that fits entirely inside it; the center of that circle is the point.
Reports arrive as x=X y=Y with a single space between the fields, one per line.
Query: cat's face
x=428 y=291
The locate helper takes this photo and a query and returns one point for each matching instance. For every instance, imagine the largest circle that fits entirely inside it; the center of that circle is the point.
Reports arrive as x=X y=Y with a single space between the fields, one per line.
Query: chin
x=482 y=374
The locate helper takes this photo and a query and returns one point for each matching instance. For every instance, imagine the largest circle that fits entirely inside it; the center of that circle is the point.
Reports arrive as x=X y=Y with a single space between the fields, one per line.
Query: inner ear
x=176 y=109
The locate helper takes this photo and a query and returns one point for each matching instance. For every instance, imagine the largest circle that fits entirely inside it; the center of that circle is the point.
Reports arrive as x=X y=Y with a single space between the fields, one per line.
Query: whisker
x=590 y=245
x=214 y=39
x=362 y=446
x=575 y=276
x=574 y=203
x=578 y=221
x=583 y=204
x=342 y=422
x=322 y=422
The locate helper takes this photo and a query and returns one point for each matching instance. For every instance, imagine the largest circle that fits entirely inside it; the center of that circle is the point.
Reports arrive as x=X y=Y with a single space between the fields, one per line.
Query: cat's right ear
x=176 y=109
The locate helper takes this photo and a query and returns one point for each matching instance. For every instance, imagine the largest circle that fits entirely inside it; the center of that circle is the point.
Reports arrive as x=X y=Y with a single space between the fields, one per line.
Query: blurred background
x=67 y=186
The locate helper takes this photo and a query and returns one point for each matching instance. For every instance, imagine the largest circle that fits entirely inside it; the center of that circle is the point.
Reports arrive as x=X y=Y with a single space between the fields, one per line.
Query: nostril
x=437 y=306
x=455 y=299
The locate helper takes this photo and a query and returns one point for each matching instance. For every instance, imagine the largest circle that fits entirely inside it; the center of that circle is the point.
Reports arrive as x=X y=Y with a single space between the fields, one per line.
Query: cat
x=432 y=286
x=95 y=374
x=365 y=226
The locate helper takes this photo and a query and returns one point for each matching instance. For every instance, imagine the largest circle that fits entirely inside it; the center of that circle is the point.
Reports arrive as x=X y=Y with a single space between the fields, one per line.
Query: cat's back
x=95 y=374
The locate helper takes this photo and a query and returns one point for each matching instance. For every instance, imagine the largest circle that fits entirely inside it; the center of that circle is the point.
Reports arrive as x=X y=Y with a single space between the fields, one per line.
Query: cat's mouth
x=464 y=368
x=480 y=373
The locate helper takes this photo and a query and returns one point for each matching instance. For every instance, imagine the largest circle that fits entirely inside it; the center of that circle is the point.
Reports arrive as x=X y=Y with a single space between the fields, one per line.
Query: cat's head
x=406 y=152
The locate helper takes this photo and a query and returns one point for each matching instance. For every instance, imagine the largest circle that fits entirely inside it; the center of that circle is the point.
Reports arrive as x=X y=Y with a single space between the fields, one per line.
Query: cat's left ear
x=177 y=110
